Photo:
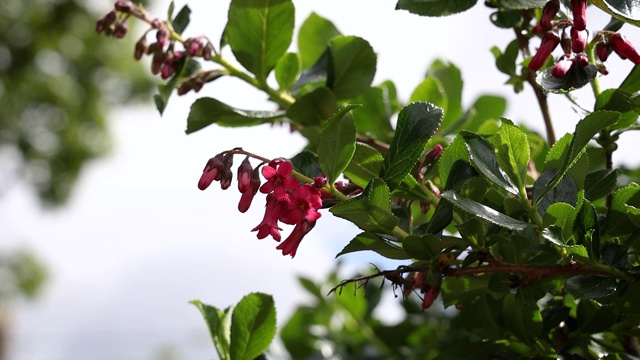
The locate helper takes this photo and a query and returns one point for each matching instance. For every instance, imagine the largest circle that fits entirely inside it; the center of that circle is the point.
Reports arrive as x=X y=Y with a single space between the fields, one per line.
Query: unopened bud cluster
x=288 y=201
x=573 y=40
x=165 y=58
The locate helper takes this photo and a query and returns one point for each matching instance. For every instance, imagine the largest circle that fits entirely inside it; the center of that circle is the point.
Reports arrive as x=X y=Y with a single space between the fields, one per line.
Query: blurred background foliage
x=58 y=79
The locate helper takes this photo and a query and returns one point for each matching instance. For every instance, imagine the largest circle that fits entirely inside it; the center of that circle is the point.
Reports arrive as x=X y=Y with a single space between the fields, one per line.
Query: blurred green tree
x=58 y=78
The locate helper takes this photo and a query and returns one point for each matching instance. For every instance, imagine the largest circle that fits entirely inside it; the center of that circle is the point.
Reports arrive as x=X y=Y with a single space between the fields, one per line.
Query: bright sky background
x=139 y=240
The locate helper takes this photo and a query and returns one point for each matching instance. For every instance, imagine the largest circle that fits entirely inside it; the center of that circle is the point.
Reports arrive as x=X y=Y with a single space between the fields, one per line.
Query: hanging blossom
x=287 y=200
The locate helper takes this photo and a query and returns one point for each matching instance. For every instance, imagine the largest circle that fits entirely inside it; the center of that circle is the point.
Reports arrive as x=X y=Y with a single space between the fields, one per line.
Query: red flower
x=269 y=224
x=279 y=180
x=303 y=205
x=624 y=48
x=579 y=10
x=290 y=245
x=549 y=11
x=578 y=40
x=563 y=66
x=549 y=42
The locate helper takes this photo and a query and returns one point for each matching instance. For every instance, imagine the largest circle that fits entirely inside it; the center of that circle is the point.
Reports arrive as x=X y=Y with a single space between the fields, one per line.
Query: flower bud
x=563 y=66
x=156 y=62
x=320 y=181
x=624 y=48
x=549 y=42
x=578 y=40
x=602 y=50
x=141 y=48
x=162 y=37
x=206 y=52
x=110 y=18
x=168 y=68
x=247 y=196
x=582 y=60
x=565 y=43
x=185 y=87
x=602 y=69
x=193 y=46
x=100 y=25
x=120 y=30
x=579 y=10
x=197 y=84
x=430 y=296
x=244 y=175
x=124 y=6
x=434 y=154
x=210 y=172
x=226 y=178
x=549 y=11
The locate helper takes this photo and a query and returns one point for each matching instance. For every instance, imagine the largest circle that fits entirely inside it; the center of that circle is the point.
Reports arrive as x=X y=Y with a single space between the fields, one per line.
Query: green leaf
x=253 y=326
x=586 y=129
x=506 y=19
x=451 y=79
x=352 y=66
x=618 y=222
x=371 y=211
x=430 y=90
x=460 y=290
x=576 y=78
x=561 y=215
x=600 y=183
x=364 y=166
x=307 y=164
x=460 y=173
x=483 y=156
x=483 y=110
x=373 y=117
x=417 y=122
x=521 y=4
x=625 y=10
x=620 y=101
x=314 y=108
x=259 y=33
x=287 y=70
x=435 y=7
x=370 y=241
x=590 y=286
x=207 y=111
x=587 y=229
x=512 y=148
x=525 y=322
x=484 y=212
x=181 y=21
x=313 y=38
x=506 y=62
x=631 y=83
x=218 y=325
x=184 y=69
x=564 y=192
x=454 y=152
x=337 y=143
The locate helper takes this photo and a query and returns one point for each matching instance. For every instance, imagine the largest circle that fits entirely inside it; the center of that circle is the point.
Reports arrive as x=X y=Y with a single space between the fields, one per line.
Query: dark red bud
x=156 y=62
x=156 y=23
x=206 y=52
x=565 y=43
x=603 y=50
x=434 y=154
x=120 y=30
x=162 y=36
x=141 y=48
x=110 y=18
x=226 y=178
x=550 y=41
x=168 y=68
x=624 y=48
x=124 y=6
x=210 y=172
x=320 y=181
x=100 y=26
x=430 y=297
x=579 y=10
x=563 y=66
x=582 y=60
x=578 y=40
x=549 y=11
x=244 y=175
x=538 y=30
x=197 y=84
x=247 y=197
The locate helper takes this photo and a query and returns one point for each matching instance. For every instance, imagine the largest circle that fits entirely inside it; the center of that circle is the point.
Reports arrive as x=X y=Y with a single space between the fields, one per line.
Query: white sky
x=139 y=240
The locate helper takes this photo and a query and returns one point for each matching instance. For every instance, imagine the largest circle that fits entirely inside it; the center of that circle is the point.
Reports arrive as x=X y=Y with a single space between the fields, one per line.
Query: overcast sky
x=139 y=240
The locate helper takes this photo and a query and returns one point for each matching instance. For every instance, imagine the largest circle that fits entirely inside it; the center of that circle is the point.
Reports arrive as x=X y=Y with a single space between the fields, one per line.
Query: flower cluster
x=288 y=201
x=166 y=59
x=573 y=40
